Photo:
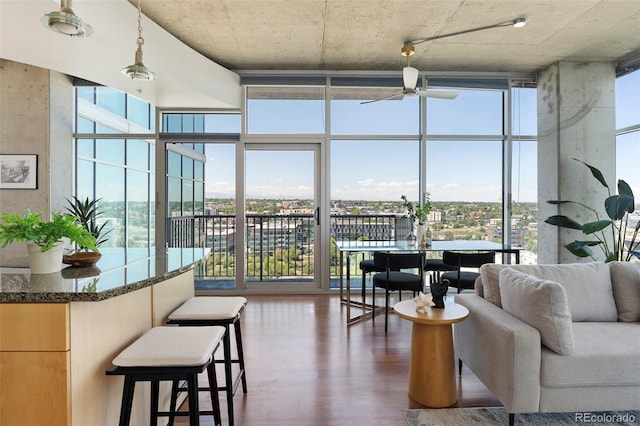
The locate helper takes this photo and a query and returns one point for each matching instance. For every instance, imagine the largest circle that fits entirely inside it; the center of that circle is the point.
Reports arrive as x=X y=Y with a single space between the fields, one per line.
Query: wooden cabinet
x=34 y=364
x=53 y=356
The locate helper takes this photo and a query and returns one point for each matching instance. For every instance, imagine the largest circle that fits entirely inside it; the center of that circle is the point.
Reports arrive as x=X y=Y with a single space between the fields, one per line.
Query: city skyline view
x=385 y=169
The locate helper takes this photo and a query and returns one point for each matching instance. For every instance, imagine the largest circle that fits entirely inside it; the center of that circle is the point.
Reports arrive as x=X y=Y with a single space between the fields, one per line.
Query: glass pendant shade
x=64 y=21
x=138 y=71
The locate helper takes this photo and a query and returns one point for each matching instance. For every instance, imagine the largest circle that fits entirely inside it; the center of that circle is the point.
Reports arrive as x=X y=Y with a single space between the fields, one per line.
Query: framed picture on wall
x=18 y=171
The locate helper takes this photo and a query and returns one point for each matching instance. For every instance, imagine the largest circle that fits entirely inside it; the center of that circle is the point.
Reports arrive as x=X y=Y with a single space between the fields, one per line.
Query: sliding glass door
x=282 y=216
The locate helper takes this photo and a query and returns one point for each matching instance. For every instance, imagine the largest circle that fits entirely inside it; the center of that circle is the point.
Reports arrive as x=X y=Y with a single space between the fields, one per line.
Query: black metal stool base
x=174 y=374
x=231 y=383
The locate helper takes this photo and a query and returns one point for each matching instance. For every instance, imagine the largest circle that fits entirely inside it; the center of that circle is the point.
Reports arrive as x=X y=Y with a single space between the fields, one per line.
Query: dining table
x=349 y=248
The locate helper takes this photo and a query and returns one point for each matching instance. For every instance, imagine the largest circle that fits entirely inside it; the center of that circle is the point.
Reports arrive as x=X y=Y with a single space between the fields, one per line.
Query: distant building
x=366 y=231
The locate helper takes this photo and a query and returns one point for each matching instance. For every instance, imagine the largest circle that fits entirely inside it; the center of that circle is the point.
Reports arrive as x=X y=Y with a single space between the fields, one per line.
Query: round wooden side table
x=432 y=372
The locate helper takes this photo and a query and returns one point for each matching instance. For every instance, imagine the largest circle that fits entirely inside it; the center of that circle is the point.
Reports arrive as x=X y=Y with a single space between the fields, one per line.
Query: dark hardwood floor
x=306 y=367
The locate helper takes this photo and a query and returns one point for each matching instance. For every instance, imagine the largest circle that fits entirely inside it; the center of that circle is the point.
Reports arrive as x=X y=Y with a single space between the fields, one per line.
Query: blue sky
x=384 y=170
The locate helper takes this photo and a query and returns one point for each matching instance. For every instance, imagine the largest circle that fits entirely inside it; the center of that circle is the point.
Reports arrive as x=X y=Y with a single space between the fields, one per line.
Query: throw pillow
x=541 y=304
x=625 y=280
x=587 y=285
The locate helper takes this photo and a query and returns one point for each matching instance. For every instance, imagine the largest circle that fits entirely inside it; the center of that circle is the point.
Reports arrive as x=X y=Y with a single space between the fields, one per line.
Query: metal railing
x=276 y=246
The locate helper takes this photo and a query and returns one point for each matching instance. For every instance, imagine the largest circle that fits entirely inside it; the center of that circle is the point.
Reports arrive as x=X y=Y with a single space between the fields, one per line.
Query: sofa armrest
x=502 y=351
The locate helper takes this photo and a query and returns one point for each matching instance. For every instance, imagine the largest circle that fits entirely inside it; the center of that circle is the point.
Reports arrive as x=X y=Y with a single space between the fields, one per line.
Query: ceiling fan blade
x=397 y=95
x=437 y=94
x=409 y=77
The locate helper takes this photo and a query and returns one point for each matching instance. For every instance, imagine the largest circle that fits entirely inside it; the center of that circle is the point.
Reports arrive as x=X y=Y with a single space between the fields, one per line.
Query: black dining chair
x=464 y=280
x=368 y=266
x=435 y=268
x=394 y=278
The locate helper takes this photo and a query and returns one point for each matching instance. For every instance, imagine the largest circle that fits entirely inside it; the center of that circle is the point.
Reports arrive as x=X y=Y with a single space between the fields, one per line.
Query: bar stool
x=218 y=311
x=170 y=353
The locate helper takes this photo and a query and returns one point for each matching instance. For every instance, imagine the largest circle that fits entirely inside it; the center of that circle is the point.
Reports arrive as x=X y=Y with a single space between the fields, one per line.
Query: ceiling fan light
x=410 y=77
x=64 y=21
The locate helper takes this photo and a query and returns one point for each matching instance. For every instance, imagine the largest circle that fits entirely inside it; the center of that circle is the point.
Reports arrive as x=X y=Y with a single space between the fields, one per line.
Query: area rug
x=498 y=416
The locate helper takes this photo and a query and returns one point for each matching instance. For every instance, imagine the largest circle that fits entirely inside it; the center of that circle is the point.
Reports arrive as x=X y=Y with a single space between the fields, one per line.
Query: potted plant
x=87 y=213
x=418 y=214
x=618 y=206
x=43 y=238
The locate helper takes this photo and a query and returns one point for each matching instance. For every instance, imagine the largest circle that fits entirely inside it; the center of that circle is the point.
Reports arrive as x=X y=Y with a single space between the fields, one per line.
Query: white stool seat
x=171 y=346
x=208 y=308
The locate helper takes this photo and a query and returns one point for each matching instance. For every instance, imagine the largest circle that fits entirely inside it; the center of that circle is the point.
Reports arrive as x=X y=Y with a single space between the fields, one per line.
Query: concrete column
x=576 y=119
x=36 y=113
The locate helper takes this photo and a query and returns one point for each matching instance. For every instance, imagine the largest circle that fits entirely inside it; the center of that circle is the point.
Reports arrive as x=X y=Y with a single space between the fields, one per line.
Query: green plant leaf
x=581 y=248
x=591 y=227
x=31 y=228
x=618 y=205
x=563 y=222
x=87 y=213
x=596 y=173
x=625 y=189
x=611 y=257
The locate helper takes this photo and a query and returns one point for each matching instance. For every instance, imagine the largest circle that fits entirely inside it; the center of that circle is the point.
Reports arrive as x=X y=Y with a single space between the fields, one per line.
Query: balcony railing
x=276 y=246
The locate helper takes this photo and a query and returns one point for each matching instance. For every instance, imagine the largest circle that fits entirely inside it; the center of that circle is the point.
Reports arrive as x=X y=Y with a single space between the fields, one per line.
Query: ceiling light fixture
x=64 y=21
x=516 y=23
x=138 y=71
x=519 y=23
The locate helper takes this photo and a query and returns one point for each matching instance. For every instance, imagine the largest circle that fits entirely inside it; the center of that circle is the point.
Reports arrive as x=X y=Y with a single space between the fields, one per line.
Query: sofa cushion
x=625 y=280
x=605 y=354
x=587 y=285
x=541 y=304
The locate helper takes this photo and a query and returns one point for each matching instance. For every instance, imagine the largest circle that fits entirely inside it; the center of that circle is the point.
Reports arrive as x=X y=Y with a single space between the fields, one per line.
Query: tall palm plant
x=87 y=213
x=618 y=207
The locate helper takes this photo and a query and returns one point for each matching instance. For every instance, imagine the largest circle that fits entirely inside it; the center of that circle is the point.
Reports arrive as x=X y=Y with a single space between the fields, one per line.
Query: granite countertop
x=119 y=271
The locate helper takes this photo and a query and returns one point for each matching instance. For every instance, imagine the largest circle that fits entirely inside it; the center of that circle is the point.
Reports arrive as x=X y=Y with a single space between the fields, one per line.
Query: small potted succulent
x=43 y=238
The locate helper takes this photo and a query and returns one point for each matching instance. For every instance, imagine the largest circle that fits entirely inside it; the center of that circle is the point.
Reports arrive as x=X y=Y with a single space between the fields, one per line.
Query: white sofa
x=555 y=338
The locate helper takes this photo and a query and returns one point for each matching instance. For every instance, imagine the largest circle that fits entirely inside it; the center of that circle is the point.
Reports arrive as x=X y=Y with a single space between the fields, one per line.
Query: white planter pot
x=46 y=262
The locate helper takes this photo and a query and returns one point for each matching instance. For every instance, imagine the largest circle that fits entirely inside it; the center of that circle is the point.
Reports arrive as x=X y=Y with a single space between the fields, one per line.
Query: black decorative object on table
x=438 y=292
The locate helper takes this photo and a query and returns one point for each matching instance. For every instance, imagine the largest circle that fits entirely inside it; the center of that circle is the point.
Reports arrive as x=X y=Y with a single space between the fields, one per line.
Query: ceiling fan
x=410 y=80
x=410 y=74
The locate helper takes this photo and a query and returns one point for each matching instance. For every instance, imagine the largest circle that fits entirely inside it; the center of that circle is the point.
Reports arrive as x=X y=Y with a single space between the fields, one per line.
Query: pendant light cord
x=140 y=39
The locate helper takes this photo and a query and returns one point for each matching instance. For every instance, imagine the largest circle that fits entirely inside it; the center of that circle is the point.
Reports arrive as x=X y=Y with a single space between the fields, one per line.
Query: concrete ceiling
x=197 y=47
x=368 y=34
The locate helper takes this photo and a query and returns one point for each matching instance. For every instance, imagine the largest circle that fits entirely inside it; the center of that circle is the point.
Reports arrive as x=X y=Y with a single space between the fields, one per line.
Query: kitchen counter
x=118 y=272
x=59 y=333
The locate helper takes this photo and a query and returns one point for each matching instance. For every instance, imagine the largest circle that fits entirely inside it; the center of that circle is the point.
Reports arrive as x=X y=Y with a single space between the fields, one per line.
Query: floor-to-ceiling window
x=369 y=154
x=200 y=203
x=524 y=174
x=375 y=159
x=282 y=143
x=115 y=164
x=464 y=164
x=628 y=139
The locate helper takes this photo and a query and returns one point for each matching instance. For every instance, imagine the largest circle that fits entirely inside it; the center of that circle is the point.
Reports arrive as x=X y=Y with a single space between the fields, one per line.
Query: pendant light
x=64 y=21
x=138 y=71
